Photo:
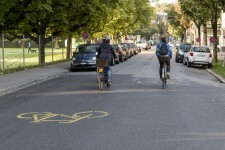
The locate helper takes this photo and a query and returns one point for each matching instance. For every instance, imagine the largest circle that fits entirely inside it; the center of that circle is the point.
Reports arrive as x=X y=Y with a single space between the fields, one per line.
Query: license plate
x=100 y=70
x=201 y=55
x=83 y=63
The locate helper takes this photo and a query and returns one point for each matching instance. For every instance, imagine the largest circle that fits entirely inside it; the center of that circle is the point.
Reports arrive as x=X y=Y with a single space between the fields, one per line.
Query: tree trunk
x=41 y=49
x=185 y=36
x=214 y=27
x=205 y=34
x=199 y=33
x=182 y=37
x=68 y=49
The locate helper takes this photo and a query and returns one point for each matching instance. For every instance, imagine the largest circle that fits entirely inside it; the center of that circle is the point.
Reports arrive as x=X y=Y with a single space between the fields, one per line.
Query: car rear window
x=86 y=49
x=201 y=49
x=185 y=46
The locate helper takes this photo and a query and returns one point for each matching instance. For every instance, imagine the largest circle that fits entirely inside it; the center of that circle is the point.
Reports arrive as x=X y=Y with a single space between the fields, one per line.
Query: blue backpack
x=163 y=50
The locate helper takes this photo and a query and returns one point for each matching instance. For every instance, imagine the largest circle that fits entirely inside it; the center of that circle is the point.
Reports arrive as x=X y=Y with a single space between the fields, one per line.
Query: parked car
x=181 y=50
x=84 y=57
x=148 y=46
x=135 y=48
x=125 y=47
x=115 y=60
x=142 y=44
x=129 y=49
x=121 y=52
x=198 y=55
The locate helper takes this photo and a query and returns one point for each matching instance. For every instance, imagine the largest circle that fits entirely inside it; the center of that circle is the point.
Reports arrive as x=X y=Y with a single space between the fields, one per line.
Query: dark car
x=181 y=50
x=84 y=57
x=115 y=60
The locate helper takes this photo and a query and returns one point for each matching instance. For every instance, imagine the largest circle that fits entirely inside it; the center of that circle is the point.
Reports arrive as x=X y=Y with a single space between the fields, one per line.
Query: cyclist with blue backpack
x=164 y=53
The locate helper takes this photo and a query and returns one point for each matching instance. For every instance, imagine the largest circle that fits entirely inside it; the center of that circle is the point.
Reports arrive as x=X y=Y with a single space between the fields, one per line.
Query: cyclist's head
x=106 y=39
x=163 y=38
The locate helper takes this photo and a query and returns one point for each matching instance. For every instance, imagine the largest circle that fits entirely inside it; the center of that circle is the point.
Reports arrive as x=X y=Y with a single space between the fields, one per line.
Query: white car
x=142 y=44
x=198 y=55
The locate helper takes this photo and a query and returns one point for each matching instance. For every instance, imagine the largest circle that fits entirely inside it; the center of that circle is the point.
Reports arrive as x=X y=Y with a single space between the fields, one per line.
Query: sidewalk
x=219 y=77
x=18 y=80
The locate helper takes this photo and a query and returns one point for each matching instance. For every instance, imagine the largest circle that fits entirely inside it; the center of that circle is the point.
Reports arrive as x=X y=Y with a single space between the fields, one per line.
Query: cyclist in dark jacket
x=105 y=51
x=166 y=59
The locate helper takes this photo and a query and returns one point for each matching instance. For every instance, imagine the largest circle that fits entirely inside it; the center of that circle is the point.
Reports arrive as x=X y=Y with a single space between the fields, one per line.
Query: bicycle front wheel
x=163 y=84
x=100 y=81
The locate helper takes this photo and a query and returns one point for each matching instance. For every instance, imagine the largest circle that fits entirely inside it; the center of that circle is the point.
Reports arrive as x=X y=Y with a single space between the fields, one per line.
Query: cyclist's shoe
x=108 y=83
x=168 y=75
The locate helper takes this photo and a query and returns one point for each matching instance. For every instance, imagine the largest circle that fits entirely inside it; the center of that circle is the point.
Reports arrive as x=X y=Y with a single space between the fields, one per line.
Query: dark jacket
x=105 y=51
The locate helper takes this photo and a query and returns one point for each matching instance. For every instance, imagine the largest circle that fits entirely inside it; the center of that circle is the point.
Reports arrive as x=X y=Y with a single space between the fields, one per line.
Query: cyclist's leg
x=160 y=68
x=168 y=67
x=109 y=72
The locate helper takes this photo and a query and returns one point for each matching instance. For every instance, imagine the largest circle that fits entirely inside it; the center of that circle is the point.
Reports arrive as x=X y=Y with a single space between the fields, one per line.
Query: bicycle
x=102 y=73
x=164 y=74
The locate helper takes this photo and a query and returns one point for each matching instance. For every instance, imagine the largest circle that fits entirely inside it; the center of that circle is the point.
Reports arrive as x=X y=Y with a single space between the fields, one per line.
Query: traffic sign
x=85 y=35
x=212 y=39
x=198 y=39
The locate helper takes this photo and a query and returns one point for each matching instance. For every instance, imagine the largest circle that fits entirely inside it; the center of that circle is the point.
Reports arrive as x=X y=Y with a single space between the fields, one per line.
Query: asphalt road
x=135 y=113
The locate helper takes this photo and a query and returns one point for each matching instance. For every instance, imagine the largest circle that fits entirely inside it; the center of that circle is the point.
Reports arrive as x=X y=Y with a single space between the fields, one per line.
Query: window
x=201 y=49
x=86 y=49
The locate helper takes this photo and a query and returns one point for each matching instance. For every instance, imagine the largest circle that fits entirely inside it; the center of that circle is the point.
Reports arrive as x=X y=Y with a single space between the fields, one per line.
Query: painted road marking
x=38 y=117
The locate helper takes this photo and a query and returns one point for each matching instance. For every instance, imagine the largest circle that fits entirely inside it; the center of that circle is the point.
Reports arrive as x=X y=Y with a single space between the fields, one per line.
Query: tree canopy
x=48 y=18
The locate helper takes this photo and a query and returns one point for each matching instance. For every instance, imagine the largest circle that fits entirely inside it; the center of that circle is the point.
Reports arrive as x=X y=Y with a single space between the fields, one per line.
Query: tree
x=178 y=21
x=29 y=17
x=127 y=17
x=198 y=14
x=214 y=12
x=40 y=20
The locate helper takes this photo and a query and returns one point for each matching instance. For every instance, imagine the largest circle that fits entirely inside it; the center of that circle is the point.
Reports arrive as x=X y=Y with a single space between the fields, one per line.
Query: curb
x=219 y=77
x=23 y=85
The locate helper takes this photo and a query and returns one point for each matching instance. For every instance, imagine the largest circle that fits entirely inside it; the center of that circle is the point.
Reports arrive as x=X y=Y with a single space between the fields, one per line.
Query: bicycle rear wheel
x=165 y=76
x=101 y=81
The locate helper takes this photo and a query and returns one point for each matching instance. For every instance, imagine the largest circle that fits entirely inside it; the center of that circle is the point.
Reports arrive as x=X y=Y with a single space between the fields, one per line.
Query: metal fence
x=22 y=51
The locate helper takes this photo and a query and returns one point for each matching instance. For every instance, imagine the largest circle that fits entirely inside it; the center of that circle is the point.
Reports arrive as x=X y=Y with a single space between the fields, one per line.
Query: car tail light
x=191 y=54
x=210 y=55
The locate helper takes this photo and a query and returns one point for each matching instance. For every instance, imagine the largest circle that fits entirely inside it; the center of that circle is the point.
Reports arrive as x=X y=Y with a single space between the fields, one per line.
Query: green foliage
x=219 y=69
x=177 y=20
x=68 y=17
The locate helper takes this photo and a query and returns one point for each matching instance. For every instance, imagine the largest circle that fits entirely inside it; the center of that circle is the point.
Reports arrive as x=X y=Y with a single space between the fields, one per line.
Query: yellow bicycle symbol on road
x=38 y=117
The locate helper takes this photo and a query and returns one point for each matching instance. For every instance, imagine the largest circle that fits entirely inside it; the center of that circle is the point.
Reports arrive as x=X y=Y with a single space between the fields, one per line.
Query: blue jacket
x=168 y=47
